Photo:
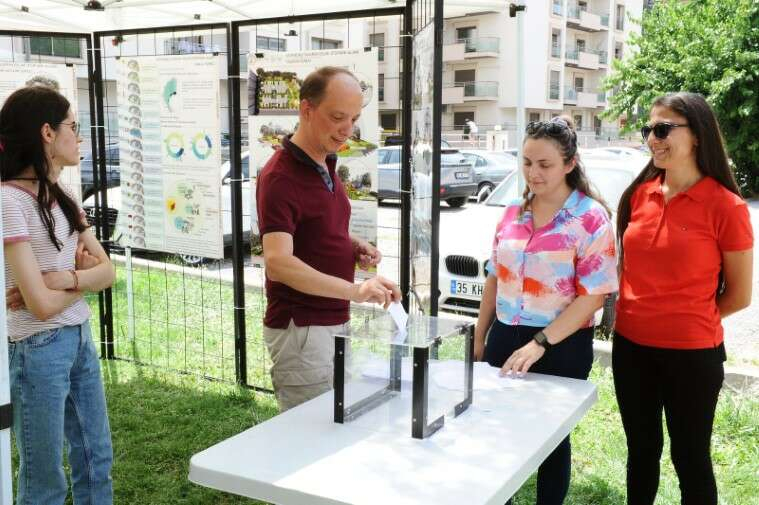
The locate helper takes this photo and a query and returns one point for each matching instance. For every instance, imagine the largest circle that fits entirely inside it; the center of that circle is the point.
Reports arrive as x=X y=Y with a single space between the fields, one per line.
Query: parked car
x=465 y=247
x=490 y=168
x=113 y=171
x=114 y=206
x=456 y=175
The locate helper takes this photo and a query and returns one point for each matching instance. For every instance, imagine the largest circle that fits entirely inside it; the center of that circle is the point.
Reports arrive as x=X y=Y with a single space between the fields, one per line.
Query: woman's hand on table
x=522 y=359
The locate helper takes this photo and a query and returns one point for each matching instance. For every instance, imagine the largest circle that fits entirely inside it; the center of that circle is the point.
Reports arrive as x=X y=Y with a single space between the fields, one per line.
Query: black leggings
x=685 y=384
x=572 y=357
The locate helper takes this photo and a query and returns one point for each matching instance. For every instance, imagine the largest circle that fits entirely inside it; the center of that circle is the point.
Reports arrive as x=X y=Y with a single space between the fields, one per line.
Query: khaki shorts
x=303 y=358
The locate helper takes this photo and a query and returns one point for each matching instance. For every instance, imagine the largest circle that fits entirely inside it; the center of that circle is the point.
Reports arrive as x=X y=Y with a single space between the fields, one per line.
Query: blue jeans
x=573 y=358
x=57 y=391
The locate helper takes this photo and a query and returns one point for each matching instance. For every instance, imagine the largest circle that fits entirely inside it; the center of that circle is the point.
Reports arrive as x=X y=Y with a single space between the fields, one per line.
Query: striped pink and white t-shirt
x=22 y=222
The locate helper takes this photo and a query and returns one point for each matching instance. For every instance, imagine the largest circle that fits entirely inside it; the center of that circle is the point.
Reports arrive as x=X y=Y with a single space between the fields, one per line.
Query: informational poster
x=170 y=138
x=274 y=81
x=61 y=77
x=421 y=169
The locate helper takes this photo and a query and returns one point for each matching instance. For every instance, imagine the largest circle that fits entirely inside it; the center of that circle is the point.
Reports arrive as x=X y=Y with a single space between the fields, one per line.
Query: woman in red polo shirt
x=686 y=254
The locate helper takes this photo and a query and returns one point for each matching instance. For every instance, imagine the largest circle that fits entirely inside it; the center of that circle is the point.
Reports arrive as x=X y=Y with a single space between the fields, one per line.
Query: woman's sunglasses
x=660 y=130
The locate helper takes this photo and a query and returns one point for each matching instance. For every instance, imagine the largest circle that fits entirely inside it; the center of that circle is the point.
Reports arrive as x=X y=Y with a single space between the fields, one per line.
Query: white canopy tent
x=83 y=16
x=77 y=16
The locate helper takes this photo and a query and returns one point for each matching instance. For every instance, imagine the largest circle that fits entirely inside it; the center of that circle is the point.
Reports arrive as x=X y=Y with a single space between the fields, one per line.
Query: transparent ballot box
x=386 y=377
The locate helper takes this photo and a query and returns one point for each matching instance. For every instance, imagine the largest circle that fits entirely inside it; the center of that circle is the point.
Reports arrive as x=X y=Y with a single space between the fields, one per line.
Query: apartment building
x=568 y=49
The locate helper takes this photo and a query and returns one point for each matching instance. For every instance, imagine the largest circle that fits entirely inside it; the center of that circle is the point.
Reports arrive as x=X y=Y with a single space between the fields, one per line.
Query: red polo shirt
x=292 y=197
x=672 y=260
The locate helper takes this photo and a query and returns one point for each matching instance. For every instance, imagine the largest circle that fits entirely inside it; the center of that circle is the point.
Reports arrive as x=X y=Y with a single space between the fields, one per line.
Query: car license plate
x=462 y=175
x=466 y=288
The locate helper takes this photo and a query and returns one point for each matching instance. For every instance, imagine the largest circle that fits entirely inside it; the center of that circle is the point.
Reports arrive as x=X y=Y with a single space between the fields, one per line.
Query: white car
x=466 y=237
x=114 y=207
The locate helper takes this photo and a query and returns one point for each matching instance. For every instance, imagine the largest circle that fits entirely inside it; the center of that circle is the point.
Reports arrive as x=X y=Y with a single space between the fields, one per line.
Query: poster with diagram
x=61 y=77
x=274 y=81
x=169 y=143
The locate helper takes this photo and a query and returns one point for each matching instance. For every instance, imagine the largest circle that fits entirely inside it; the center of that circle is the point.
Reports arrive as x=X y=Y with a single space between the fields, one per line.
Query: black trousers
x=685 y=384
x=572 y=357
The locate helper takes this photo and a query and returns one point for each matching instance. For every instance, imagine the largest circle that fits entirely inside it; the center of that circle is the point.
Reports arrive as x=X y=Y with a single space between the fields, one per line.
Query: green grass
x=159 y=419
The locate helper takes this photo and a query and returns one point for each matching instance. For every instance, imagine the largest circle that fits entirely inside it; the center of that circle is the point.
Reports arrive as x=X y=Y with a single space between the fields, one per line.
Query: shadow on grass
x=158 y=422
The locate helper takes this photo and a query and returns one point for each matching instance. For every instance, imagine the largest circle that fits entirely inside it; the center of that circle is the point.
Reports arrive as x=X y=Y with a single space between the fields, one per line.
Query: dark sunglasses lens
x=662 y=130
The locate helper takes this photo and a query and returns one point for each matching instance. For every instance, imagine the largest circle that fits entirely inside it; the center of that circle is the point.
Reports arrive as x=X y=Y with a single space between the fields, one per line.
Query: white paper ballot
x=399 y=315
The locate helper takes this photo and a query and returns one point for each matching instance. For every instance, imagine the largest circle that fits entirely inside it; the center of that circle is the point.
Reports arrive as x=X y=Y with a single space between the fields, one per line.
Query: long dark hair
x=561 y=130
x=711 y=157
x=21 y=120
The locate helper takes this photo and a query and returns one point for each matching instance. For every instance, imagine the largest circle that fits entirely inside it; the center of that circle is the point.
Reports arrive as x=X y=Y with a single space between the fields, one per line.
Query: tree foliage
x=704 y=46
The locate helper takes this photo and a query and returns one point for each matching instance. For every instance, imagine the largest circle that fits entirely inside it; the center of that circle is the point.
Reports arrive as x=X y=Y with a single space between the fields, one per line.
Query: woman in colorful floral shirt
x=553 y=263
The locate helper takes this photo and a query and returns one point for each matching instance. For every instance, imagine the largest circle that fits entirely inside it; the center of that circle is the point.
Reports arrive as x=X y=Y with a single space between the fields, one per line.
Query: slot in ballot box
x=417 y=375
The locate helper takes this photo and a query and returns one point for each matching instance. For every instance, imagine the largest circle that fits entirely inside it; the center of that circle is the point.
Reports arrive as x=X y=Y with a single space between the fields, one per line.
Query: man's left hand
x=366 y=254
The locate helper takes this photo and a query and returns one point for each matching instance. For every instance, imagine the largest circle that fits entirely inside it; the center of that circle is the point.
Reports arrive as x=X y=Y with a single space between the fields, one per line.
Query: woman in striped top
x=52 y=257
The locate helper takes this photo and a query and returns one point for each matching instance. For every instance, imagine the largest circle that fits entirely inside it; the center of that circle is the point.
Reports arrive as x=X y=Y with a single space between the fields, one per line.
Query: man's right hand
x=376 y=290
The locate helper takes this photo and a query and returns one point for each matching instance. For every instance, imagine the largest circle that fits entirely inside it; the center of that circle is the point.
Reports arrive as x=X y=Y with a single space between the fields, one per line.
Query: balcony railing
x=573 y=54
x=555 y=52
x=602 y=97
x=473 y=89
x=570 y=93
x=605 y=20
x=556 y=9
x=603 y=57
x=480 y=44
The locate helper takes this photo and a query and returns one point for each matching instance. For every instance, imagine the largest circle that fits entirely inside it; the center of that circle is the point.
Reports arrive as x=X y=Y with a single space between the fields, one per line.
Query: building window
x=465 y=33
x=618 y=50
x=620 y=17
x=534 y=116
x=460 y=119
x=185 y=45
x=556 y=43
x=580 y=45
x=554 y=87
x=55 y=46
x=583 y=6
x=556 y=7
x=578 y=121
x=378 y=40
x=579 y=84
x=319 y=43
x=381 y=86
x=270 y=43
x=389 y=121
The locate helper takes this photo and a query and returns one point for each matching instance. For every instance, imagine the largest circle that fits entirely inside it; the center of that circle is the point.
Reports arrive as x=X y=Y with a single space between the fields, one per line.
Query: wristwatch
x=542 y=339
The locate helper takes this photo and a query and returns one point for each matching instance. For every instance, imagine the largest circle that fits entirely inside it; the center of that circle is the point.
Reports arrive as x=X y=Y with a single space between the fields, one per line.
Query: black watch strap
x=542 y=339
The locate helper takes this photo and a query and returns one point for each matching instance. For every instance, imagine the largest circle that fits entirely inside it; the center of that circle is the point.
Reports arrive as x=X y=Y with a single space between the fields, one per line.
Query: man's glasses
x=553 y=127
x=75 y=125
x=660 y=130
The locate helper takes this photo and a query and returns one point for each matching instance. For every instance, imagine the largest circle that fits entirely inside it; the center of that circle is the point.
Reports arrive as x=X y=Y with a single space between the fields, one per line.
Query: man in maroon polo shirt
x=310 y=257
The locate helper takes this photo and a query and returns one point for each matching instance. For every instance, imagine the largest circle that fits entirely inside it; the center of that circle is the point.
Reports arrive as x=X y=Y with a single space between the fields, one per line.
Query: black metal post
x=437 y=108
x=469 y=370
x=101 y=200
x=408 y=55
x=339 y=379
x=420 y=397
x=238 y=267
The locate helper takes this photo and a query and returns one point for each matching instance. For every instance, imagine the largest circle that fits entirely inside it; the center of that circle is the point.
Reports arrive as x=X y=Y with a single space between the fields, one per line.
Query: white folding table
x=302 y=457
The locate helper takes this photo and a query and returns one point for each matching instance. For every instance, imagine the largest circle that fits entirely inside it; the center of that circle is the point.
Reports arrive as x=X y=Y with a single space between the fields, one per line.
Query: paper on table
x=398 y=313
